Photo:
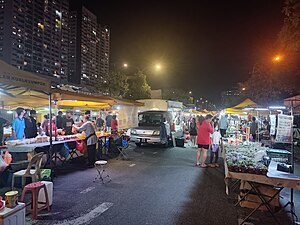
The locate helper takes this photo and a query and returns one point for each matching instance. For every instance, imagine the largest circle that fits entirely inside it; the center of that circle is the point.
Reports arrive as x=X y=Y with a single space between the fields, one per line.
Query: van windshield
x=150 y=119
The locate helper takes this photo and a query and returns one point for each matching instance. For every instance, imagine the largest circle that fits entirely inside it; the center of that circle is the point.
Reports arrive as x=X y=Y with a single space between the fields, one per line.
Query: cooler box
x=279 y=155
x=13 y=216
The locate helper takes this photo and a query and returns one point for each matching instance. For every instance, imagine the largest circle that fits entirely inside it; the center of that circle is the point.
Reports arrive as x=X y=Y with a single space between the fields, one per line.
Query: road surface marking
x=246 y=223
x=87 y=218
x=154 y=153
x=49 y=214
x=87 y=190
x=132 y=165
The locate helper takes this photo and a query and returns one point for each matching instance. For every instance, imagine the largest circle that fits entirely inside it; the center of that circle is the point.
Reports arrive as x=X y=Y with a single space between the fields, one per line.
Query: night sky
x=203 y=46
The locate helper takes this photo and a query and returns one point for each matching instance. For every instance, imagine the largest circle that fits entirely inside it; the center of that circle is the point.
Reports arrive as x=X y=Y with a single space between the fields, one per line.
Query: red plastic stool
x=35 y=189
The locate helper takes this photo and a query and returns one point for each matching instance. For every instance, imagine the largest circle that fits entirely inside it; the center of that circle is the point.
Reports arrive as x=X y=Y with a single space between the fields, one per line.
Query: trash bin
x=179 y=142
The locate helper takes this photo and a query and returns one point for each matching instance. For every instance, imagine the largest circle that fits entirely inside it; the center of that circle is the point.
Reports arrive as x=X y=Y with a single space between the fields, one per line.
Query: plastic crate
x=279 y=154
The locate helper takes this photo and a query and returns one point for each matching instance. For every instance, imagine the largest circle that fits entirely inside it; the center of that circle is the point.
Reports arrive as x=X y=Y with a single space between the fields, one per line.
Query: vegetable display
x=246 y=157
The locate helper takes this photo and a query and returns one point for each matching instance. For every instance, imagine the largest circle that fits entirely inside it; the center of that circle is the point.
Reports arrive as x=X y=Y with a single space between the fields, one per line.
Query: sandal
x=204 y=166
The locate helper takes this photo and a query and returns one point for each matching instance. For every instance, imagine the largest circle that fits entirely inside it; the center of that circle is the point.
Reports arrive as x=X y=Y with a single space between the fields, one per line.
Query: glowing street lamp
x=190 y=92
x=158 y=66
x=125 y=65
x=277 y=58
x=243 y=89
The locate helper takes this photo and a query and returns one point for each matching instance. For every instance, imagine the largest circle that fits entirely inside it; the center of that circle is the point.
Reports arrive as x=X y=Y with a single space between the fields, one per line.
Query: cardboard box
x=252 y=200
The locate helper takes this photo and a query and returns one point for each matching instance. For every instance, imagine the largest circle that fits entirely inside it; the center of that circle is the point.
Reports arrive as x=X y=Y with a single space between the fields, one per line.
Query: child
x=215 y=145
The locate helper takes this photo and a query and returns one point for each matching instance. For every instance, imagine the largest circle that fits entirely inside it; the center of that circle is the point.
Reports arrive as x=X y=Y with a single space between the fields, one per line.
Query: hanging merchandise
x=284 y=129
x=272 y=124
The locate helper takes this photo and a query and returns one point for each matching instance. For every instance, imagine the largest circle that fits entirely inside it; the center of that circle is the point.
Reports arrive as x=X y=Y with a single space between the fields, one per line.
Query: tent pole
x=50 y=132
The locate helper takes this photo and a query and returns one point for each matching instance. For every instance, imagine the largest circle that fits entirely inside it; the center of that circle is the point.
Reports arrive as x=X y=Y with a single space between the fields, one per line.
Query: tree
x=281 y=79
x=267 y=85
x=138 y=88
x=115 y=84
x=289 y=36
x=176 y=94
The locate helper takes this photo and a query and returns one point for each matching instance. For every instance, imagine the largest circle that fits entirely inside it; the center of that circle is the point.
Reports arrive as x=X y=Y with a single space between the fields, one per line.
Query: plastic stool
x=35 y=189
x=100 y=167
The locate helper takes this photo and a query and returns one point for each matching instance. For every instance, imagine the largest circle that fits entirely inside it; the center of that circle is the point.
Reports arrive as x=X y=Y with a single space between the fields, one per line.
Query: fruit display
x=246 y=157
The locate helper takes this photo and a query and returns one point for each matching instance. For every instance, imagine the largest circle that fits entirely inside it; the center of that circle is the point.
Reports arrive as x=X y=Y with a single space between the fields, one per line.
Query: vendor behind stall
x=114 y=124
x=59 y=120
x=100 y=123
x=18 y=125
x=67 y=124
x=91 y=139
x=30 y=125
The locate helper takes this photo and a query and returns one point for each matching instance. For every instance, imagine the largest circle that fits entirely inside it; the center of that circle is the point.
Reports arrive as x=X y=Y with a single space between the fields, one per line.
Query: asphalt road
x=156 y=186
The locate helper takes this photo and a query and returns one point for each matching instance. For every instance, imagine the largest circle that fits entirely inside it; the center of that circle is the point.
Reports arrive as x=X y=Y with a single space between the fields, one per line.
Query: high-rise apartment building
x=104 y=51
x=34 y=36
x=89 y=48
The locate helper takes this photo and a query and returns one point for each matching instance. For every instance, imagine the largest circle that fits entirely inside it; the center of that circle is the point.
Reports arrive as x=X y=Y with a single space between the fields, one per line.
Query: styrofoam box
x=13 y=216
x=42 y=198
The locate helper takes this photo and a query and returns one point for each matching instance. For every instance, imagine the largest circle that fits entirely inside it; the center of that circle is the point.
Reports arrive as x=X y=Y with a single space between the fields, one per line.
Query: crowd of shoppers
x=25 y=125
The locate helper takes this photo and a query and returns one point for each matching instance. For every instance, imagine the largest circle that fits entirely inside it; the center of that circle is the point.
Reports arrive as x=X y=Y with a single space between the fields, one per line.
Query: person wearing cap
x=18 y=125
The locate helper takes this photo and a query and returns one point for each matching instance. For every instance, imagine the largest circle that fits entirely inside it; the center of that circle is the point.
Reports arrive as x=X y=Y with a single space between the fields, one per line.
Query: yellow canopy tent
x=238 y=109
x=247 y=107
x=73 y=99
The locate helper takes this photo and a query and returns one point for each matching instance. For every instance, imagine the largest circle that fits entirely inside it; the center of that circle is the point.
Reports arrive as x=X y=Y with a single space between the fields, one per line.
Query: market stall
x=263 y=172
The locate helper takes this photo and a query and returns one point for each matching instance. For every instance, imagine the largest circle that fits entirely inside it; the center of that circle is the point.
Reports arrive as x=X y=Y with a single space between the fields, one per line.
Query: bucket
x=11 y=199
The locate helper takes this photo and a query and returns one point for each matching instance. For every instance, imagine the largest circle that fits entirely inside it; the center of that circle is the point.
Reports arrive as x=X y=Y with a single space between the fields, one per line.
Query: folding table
x=274 y=178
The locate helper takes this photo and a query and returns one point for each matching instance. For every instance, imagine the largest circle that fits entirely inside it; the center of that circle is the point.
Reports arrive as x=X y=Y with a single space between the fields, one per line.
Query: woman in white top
x=91 y=139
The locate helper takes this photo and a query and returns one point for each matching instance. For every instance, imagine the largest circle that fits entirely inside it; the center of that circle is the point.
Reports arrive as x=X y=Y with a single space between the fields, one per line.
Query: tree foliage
x=115 y=84
x=281 y=79
x=289 y=36
x=266 y=85
x=177 y=94
x=138 y=88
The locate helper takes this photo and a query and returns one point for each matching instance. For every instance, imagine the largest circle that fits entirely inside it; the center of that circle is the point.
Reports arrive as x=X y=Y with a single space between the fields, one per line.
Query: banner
x=10 y=75
x=284 y=129
x=272 y=124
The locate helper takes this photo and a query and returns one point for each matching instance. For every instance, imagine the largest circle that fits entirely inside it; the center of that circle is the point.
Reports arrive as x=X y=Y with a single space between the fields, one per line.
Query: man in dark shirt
x=99 y=123
x=108 y=119
x=34 y=127
x=59 y=120
x=68 y=123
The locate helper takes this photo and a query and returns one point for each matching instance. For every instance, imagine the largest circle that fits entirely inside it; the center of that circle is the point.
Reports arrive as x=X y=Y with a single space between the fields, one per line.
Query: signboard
x=13 y=76
x=284 y=129
x=272 y=124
